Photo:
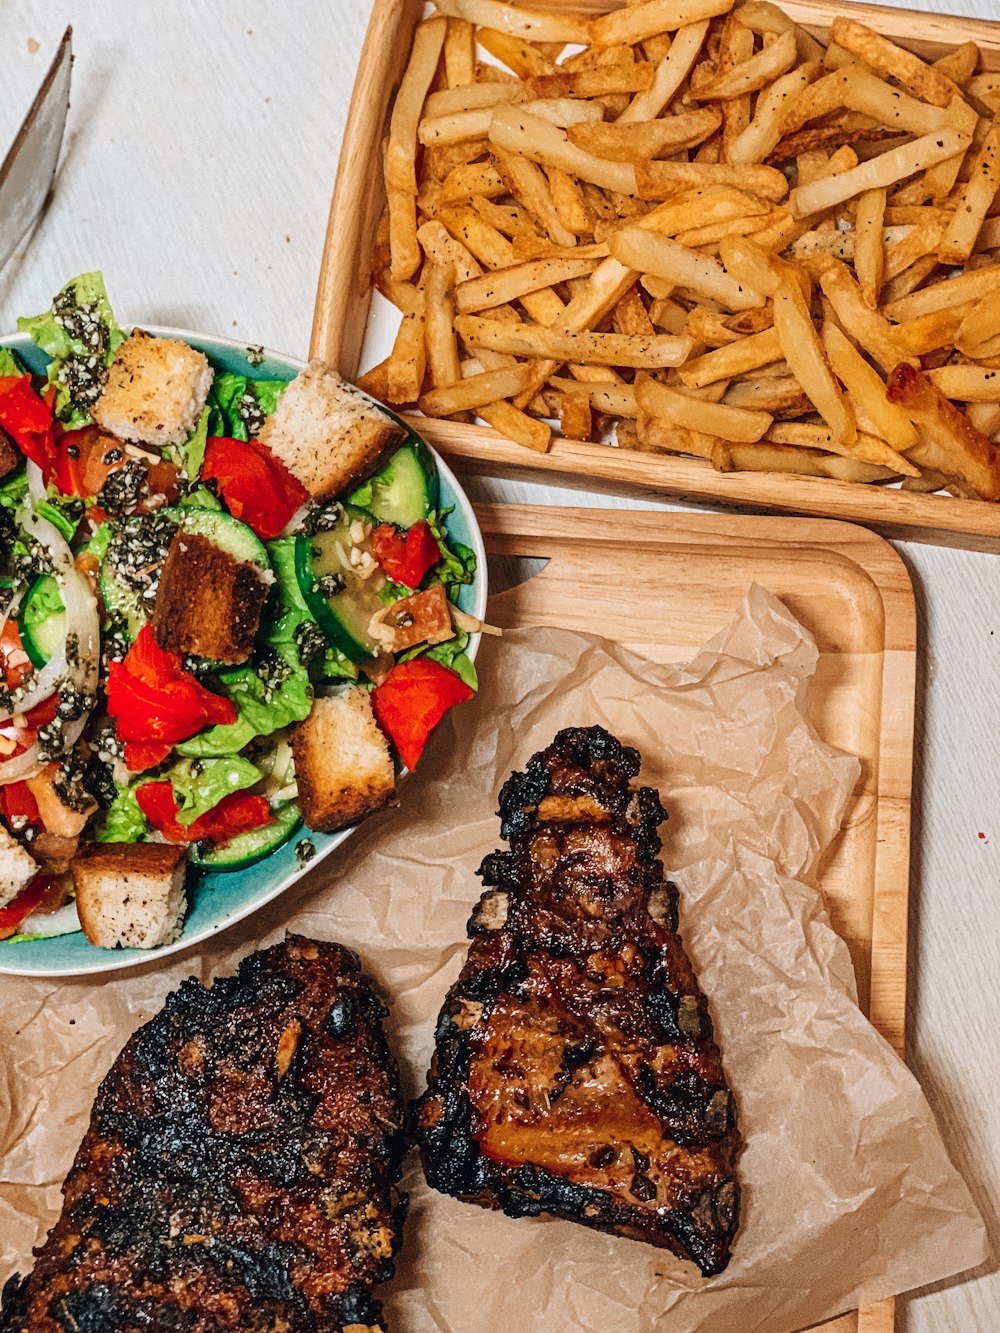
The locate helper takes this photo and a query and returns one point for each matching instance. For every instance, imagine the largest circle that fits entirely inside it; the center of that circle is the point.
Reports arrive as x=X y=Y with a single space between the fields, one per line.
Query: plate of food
x=742 y=254
x=236 y=597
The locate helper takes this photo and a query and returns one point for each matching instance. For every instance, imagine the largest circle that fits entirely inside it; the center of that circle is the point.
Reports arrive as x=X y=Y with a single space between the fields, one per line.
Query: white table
x=200 y=154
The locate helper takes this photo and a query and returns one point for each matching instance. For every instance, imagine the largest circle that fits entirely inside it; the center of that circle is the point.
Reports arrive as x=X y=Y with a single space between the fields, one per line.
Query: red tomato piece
x=24 y=737
x=14 y=661
x=156 y=702
x=412 y=700
x=24 y=904
x=87 y=457
x=28 y=420
x=234 y=814
x=257 y=487
x=406 y=558
x=17 y=802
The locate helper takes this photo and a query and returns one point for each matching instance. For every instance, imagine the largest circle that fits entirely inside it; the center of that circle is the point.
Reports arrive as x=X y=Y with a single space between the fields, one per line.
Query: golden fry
x=401 y=152
x=925 y=82
x=639 y=141
x=510 y=284
x=878 y=172
x=638 y=22
x=608 y=349
x=439 y=325
x=867 y=390
x=681 y=409
x=804 y=353
x=960 y=238
x=646 y=252
x=970 y=455
x=736 y=358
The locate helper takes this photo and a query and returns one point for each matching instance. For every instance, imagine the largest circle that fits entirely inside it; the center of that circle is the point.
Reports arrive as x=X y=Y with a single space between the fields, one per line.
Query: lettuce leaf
x=123 y=821
x=58 y=331
x=235 y=398
x=98 y=544
x=63 y=512
x=451 y=655
x=13 y=489
x=267 y=695
x=458 y=561
x=11 y=363
x=190 y=455
x=199 y=784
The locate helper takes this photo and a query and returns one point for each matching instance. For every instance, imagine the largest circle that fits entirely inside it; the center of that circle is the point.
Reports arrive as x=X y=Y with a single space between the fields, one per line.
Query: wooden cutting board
x=664 y=583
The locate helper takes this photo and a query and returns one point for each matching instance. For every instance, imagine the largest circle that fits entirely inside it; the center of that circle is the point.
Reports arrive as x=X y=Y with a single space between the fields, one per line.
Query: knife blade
x=29 y=169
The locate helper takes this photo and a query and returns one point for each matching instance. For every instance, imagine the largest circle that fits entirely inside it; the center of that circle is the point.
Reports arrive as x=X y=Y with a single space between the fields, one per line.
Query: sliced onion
x=12 y=608
x=472 y=624
x=296 y=520
x=63 y=921
x=81 y=621
x=30 y=762
x=36 y=482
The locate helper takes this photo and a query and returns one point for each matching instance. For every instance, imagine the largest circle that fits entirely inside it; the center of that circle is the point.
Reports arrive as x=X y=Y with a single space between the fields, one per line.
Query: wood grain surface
x=675 y=583
x=344 y=296
x=201 y=149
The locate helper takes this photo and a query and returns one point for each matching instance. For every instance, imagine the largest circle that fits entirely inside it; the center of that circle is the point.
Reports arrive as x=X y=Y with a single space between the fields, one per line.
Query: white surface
x=201 y=150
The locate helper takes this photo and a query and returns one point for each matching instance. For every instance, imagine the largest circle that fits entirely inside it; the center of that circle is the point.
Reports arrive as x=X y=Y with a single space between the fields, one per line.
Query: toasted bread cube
x=17 y=868
x=9 y=455
x=342 y=761
x=326 y=433
x=130 y=895
x=155 y=391
x=208 y=602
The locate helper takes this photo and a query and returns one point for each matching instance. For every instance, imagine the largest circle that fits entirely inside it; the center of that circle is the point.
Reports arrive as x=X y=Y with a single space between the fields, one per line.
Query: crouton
x=17 y=868
x=342 y=761
x=9 y=455
x=208 y=602
x=155 y=391
x=326 y=433
x=130 y=895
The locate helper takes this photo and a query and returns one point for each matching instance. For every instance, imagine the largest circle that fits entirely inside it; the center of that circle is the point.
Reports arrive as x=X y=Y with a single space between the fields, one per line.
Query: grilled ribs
x=575 y=1071
x=239 y=1167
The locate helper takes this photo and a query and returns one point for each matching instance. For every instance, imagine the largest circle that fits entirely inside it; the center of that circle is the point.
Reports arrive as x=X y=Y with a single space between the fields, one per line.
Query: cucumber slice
x=122 y=603
x=405 y=488
x=223 y=531
x=247 y=848
x=42 y=620
x=343 y=616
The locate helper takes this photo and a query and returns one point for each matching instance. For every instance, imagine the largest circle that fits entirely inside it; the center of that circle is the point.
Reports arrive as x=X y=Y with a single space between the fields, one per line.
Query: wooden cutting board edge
x=532 y=526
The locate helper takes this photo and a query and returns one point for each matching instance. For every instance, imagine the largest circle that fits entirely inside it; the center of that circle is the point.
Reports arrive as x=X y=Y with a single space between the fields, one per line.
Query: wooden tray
x=344 y=295
x=664 y=583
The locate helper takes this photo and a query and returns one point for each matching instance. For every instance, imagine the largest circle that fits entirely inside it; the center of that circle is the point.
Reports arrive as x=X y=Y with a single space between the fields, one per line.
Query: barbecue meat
x=239 y=1166
x=575 y=1071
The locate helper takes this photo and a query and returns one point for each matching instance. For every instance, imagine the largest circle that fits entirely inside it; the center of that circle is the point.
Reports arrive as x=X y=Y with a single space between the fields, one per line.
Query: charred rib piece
x=575 y=1070
x=238 y=1169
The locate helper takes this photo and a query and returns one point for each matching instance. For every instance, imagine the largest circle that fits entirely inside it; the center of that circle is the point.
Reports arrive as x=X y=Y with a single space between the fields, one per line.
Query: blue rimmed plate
x=217 y=899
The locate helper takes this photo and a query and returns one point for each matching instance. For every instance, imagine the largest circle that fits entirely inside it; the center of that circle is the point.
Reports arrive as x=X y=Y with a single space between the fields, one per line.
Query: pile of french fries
x=688 y=226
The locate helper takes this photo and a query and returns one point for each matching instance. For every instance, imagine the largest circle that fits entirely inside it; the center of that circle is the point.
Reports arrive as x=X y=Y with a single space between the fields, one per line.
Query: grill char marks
x=575 y=1070
x=239 y=1167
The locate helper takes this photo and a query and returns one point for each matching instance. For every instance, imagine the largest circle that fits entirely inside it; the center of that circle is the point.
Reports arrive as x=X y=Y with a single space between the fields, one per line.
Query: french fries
x=694 y=221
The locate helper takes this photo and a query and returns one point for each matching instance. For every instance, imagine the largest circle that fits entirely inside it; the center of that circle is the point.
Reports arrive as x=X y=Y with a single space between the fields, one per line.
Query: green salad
x=182 y=576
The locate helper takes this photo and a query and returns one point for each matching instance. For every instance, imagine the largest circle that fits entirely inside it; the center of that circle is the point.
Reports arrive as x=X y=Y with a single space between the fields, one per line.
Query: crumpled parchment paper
x=848 y=1193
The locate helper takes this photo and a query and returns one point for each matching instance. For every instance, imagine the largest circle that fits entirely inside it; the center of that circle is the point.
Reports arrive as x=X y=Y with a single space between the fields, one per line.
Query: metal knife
x=29 y=169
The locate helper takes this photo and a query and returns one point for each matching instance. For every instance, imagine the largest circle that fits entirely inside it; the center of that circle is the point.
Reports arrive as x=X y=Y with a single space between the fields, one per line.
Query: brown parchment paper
x=848 y=1194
